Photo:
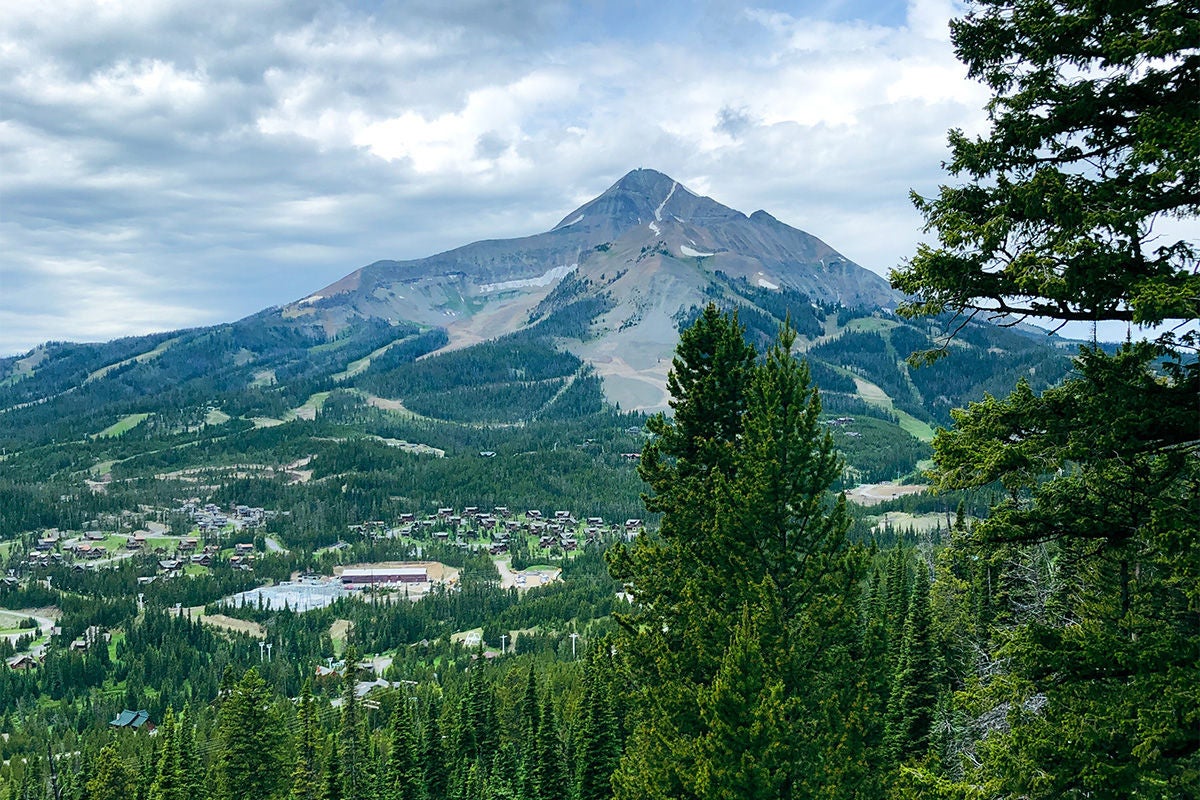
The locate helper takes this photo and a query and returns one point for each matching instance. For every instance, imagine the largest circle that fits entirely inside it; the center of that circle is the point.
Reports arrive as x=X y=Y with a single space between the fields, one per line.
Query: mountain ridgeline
x=573 y=327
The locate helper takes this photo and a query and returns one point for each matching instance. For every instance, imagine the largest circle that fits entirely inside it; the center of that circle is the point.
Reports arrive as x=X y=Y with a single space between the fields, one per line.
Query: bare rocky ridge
x=648 y=244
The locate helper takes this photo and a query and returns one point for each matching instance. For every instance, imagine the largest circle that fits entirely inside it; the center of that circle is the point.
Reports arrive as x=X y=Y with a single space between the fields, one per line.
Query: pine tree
x=305 y=785
x=1059 y=213
x=249 y=763
x=550 y=776
x=742 y=754
x=333 y=772
x=404 y=779
x=433 y=758
x=352 y=735
x=917 y=682
x=531 y=723
x=169 y=782
x=112 y=779
x=750 y=511
x=599 y=747
x=191 y=771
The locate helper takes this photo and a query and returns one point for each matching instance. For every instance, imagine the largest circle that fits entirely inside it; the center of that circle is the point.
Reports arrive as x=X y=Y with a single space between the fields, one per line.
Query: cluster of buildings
x=211 y=518
x=500 y=524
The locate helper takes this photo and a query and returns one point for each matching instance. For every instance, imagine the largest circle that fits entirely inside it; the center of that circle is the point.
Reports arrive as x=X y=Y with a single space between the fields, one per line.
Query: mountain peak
x=648 y=182
x=644 y=197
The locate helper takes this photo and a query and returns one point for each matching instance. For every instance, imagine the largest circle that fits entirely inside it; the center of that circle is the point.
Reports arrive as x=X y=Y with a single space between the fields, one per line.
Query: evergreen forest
x=686 y=606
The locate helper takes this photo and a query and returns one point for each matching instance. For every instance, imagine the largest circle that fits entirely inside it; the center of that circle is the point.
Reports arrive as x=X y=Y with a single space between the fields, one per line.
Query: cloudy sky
x=171 y=163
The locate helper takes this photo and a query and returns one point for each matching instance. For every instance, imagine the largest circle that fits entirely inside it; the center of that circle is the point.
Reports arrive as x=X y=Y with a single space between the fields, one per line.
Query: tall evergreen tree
x=404 y=779
x=1091 y=145
x=113 y=779
x=249 y=762
x=169 y=782
x=191 y=769
x=550 y=776
x=750 y=511
x=599 y=747
x=333 y=772
x=433 y=758
x=305 y=784
x=531 y=723
x=353 y=754
x=917 y=681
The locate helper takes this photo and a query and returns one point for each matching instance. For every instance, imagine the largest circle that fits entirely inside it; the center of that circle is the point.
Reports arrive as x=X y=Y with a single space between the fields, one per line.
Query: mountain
x=645 y=212
x=567 y=327
x=649 y=245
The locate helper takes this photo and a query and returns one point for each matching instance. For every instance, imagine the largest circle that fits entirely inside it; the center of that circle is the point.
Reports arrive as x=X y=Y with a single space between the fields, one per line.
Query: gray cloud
x=171 y=163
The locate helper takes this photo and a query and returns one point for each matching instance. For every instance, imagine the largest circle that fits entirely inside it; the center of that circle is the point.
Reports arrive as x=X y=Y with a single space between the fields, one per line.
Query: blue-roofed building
x=135 y=720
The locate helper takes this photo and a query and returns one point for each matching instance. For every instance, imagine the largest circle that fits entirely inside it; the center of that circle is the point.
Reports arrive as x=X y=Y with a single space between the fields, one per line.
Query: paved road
x=45 y=623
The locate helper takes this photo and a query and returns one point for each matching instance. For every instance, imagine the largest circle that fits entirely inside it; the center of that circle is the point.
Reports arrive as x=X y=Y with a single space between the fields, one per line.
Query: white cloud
x=171 y=163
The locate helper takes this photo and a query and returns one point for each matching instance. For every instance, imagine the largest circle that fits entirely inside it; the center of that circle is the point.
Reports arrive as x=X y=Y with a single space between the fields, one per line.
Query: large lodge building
x=373 y=575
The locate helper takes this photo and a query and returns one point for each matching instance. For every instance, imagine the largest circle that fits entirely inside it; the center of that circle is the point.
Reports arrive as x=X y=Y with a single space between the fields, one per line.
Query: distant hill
x=555 y=326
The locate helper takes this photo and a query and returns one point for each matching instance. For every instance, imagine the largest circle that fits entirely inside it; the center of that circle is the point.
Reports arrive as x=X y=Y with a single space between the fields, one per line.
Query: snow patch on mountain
x=545 y=279
x=658 y=211
x=691 y=253
x=572 y=222
x=654 y=227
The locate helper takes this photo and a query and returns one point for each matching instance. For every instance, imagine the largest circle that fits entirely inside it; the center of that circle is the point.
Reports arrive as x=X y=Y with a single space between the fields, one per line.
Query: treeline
x=522 y=727
x=258 y=366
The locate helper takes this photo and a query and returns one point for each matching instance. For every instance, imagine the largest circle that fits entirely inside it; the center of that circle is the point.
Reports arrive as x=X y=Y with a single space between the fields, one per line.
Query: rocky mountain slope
x=648 y=246
x=511 y=331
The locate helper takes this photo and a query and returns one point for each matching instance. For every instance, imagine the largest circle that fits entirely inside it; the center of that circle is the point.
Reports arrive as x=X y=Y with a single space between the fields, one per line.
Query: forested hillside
x=289 y=566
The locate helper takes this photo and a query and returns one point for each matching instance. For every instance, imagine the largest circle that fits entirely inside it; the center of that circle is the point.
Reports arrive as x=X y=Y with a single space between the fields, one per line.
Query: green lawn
x=125 y=423
x=141 y=358
x=217 y=417
x=914 y=426
x=871 y=324
x=101 y=468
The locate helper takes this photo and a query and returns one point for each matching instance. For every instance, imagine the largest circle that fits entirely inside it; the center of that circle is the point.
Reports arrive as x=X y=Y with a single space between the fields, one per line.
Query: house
x=90 y=636
x=133 y=720
x=22 y=662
